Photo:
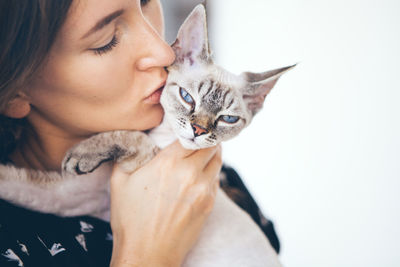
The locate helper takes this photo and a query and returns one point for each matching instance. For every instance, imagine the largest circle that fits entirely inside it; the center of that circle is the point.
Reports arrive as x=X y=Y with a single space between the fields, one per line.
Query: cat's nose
x=198 y=130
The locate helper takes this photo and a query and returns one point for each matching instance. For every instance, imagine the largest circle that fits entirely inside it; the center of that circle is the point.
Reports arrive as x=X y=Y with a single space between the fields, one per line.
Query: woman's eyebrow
x=104 y=22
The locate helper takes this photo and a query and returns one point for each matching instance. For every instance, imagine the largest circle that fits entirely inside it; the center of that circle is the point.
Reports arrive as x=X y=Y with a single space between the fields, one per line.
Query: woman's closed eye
x=108 y=47
x=114 y=41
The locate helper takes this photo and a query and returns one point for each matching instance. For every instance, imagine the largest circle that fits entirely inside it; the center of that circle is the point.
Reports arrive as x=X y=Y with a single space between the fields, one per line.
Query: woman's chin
x=149 y=119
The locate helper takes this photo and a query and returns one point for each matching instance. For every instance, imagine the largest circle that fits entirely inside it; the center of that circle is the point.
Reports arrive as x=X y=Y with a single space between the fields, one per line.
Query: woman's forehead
x=83 y=15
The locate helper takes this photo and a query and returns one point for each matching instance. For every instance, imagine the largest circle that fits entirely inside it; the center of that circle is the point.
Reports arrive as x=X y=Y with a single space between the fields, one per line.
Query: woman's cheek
x=98 y=78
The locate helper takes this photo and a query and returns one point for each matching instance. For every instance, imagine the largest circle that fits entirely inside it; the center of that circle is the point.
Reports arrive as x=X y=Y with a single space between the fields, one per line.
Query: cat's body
x=204 y=105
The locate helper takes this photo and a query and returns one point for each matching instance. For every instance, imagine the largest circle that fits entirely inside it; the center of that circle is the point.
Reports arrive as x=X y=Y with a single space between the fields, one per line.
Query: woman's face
x=104 y=70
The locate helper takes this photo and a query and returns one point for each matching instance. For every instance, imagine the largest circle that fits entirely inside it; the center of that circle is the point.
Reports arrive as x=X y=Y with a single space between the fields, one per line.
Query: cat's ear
x=191 y=43
x=259 y=85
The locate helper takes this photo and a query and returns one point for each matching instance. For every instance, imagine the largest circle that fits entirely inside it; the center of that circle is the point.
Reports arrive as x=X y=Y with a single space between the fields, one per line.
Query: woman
x=68 y=70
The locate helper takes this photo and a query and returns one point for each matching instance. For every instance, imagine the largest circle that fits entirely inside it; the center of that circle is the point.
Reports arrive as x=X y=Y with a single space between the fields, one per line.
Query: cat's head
x=204 y=103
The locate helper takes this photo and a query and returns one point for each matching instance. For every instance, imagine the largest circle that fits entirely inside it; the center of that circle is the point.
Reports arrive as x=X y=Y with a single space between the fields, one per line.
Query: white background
x=322 y=157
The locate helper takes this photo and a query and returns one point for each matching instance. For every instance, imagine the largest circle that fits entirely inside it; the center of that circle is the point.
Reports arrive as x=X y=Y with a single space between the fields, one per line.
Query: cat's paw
x=79 y=162
x=142 y=153
x=131 y=149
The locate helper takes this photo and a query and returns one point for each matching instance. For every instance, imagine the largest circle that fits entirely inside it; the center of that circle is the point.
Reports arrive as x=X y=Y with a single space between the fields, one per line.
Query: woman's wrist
x=125 y=255
x=138 y=261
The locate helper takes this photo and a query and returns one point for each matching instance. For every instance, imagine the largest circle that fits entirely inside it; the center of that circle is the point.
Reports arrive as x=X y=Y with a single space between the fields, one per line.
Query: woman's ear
x=18 y=107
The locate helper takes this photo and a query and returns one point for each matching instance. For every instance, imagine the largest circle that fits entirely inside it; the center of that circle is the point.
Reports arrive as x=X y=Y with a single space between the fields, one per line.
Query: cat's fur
x=229 y=237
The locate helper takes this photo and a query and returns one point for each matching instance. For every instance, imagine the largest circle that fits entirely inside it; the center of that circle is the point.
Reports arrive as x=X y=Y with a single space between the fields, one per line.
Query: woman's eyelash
x=108 y=47
x=144 y=2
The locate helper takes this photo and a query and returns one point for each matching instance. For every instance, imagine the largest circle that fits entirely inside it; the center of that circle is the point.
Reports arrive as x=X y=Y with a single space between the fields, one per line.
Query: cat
x=204 y=105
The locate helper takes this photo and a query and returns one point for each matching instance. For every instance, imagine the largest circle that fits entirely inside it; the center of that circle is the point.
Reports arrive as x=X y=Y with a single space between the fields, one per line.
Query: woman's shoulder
x=235 y=188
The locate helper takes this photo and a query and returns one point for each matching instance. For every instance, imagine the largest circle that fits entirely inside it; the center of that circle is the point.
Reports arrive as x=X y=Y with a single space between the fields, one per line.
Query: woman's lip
x=154 y=98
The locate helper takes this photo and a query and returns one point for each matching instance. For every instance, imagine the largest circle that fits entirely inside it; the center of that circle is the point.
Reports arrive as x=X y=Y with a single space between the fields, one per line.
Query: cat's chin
x=191 y=144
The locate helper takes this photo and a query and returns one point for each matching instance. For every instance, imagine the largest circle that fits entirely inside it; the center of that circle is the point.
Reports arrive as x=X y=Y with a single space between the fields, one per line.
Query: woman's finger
x=213 y=167
x=202 y=157
x=178 y=150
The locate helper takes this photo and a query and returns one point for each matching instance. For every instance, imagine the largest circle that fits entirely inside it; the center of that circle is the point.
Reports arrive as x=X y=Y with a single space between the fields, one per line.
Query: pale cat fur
x=230 y=237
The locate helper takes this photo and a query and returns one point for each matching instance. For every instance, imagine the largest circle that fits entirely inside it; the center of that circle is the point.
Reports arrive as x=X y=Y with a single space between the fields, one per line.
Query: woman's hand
x=158 y=211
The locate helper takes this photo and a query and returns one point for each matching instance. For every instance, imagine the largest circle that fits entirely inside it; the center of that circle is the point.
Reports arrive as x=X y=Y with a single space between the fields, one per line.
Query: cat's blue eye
x=229 y=119
x=186 y=96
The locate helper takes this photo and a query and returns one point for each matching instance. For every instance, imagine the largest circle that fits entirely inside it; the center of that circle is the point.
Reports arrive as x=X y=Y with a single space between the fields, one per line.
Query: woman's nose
x=156 y=52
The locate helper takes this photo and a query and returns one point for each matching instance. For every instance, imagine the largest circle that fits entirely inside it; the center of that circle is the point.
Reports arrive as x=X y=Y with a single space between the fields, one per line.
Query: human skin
x=156 y=212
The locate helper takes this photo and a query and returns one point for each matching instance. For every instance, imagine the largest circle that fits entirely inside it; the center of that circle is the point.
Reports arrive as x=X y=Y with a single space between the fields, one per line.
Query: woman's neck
x=42 y=152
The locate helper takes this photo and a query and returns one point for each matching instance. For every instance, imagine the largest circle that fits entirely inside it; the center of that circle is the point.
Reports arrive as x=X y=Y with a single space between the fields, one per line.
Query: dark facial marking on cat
x=224 y=97
x=216 y=95
x=230 y=104
x=211 y=138
x=209 y=141
x=213 y=102
x=209 y=89
x=181 y=122
x=200 y=86
x=174 y=84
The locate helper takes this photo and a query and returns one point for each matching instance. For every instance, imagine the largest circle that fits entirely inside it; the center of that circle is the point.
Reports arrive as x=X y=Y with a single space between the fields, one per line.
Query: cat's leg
x=131 y=148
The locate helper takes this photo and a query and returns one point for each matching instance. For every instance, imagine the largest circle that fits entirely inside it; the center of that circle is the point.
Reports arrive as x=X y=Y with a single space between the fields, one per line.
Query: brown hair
x=27 y=31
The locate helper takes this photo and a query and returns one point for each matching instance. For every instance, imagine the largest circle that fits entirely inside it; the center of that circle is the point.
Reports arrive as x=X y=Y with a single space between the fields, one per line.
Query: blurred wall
x=175 y=12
